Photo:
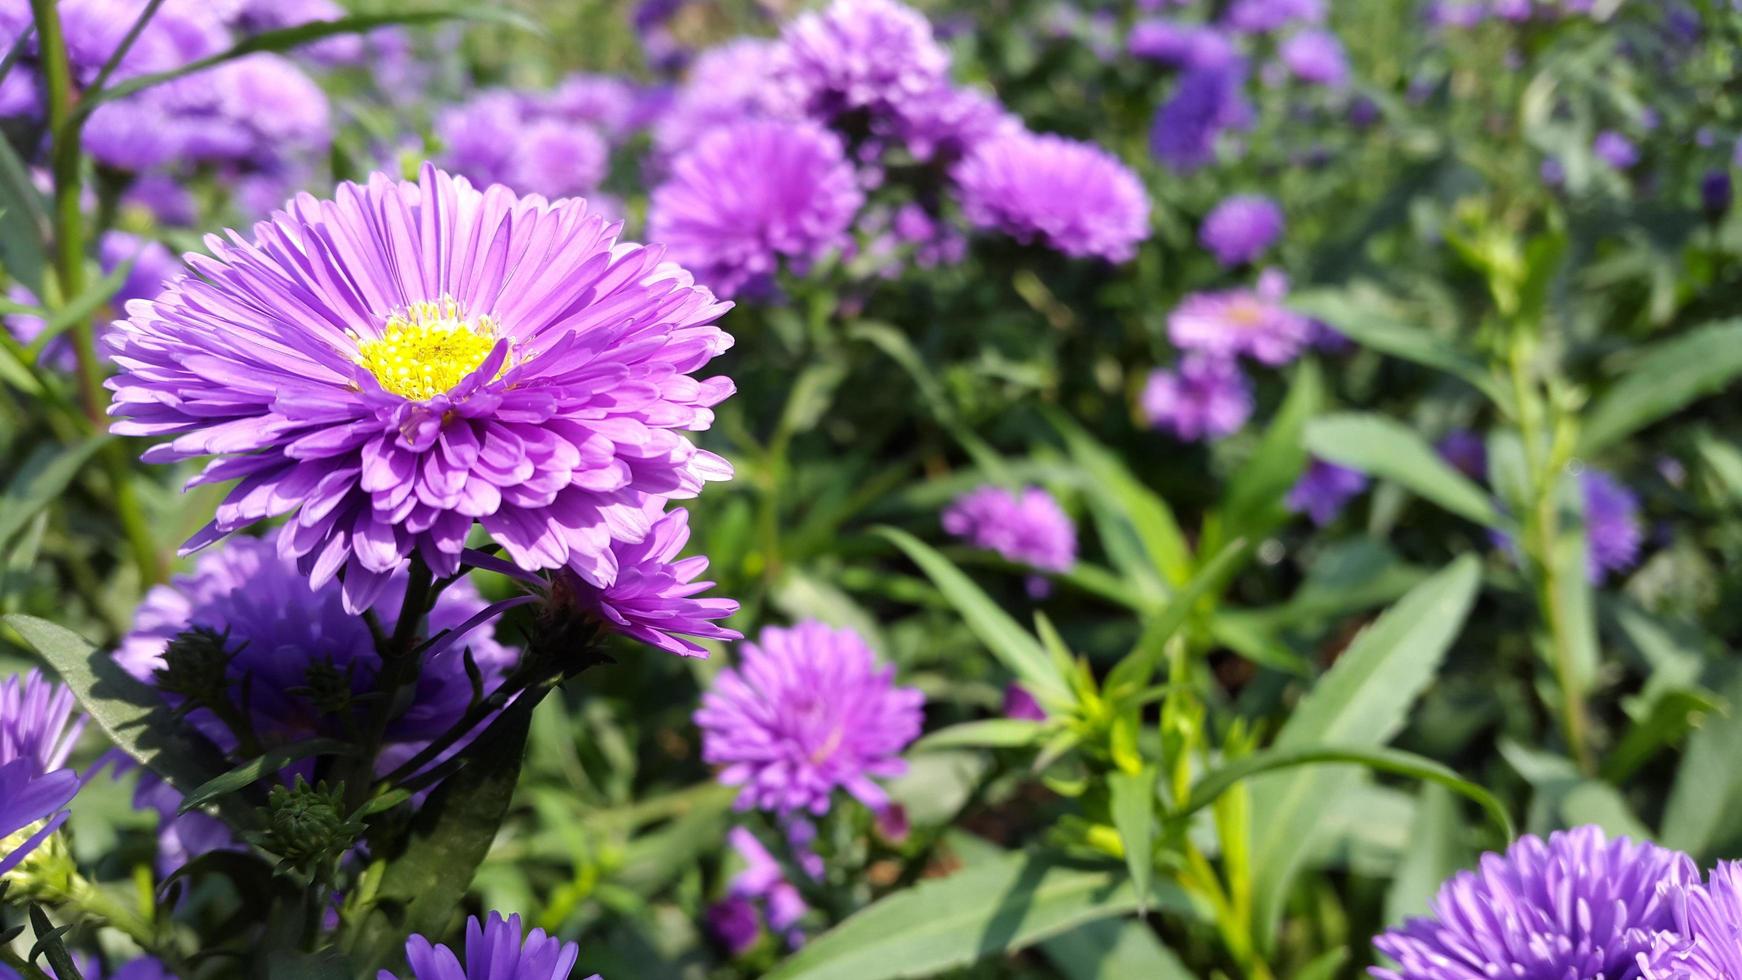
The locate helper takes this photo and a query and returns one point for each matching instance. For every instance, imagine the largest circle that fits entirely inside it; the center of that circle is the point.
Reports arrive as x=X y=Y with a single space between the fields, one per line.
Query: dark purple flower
x=1021 y=705
x=1323 y=490
x=37 y=732
x=1716 y=193
x=1552 y=172
x=1026 y=527
x=735 y=923
x=1209 y=101
x=1252 y=322
x=763 y=882
x=408 y=360
x=1615 y=150
x=1704 y=939
x=1241 y=228
x=1577 y=905
x=1263 y=16
x=1179 y=44
x=808 y=710
x=751 y=195
x=1072 y=197
x=951 y=122
x=1316 y=57
x=872 y=56
x=1467 y=452
x=496 y=949
x=1612 y=527
x=1205 y=397
x=181 y=837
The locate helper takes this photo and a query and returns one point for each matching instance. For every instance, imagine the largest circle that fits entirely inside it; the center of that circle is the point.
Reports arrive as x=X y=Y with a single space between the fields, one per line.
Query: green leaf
x=1135 y=670
x=1110 y=484
x=50 y=946
x=1114 y=950
x=289 y=38
x=1381 y=332
x=1131 y=797
x=1360 y=703
x=426 y=879
x=1394 y=761
x=130 y=713
x=24 y=223
x=1006 y=640
x=1592 y=802
x=895 y=345
x=41 y=480
x=256 y=769
x=1573 y=592
x=1666 y=377
x=985 y=910
x=1324 y=966
x=992 y=733
x=1252 y=506
x=1707 y=793
x=1383 y=448
x=83 y=307
x=1669 y=720
x=1435 y=852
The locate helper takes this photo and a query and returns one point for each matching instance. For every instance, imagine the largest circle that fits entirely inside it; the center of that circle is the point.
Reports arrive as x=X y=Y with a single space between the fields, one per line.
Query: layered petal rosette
x=407 y=360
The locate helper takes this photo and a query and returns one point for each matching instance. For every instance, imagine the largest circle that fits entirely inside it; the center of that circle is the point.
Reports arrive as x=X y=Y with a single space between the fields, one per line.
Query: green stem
x=93 y=902
x=399 y=663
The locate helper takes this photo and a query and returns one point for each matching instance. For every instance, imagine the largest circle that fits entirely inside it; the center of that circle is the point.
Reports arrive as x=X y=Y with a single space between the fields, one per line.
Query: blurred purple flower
x=1263 y=16
x=1210 y=100
x=496 y=949
x=1253 y=322
x=728 y=83
x=1316 y=57
x=1612 y=527
x=1467 y=452
x=872 y=56
x=1716 y=193
x=1203 y=398
x=517 y=140
x=807 y=710
x=1552 y=172
x=1323 y=490
x=735 y=923
x=608 y=103
x=1070 y=196
x=1180 y=45
x=37 y=732
x=1703 y=940
x=947 y=125
x=762 y=881
x=751 y=195
x=1576 y=905
x=1027 y=528
x=1021 y=705
x=181 y=837
x=259 y=16
x=1615 y=150
x=1241 y=228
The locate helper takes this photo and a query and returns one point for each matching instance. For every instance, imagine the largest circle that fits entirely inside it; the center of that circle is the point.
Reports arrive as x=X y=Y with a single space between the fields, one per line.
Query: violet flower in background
x=762 y=891
x=1615 y=150
x=735 y=923
x=1613 y=530
x=37 y=732
x=1716 y=194
x=1209 y=101
x=1316 y=57
x=1467 y=452
x=808 y=710
x=1241 y=228
x=181 y=837
x=1705 y=938
x=1576 y=905
x=878 y=57
x=544 y=400
x=1251 y=322
x=1021 y=705
x=1204 y=397
x=1179 y=44
x=1070 y=196
x=496 y=949
x=726 y=84
x=754 y=194
x=1324 y=490
x=1026 y=527
x=511 y=138
x=1264 y=16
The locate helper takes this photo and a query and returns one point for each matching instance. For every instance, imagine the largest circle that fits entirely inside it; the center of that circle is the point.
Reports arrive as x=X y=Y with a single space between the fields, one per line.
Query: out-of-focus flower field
x=864 y=489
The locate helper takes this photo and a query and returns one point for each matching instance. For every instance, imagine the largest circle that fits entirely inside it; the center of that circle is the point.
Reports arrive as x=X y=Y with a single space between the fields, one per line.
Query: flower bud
x=307 y=826
x=196 y=665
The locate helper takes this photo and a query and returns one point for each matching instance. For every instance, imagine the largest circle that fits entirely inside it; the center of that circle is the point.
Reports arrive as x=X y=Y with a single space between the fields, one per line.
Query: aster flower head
x=1203 y=398
x=496 y=949
x=751 y=195
x=1316 y=57
x=807 y=710
x=37 y=732
x=1466 y=451
x=287 y=638
x=605 y=102
x=1252 y=322
x=763 y=883
x=1210 y=101
x=952 y=121
x=1263 y=16
x=1179 y=44
x=1704 y=941
x=873 y=56
x=1612 y=528
x=410 y=359
x=1070 y=196
x=727 y=83
x=1576 y=905
x=1027 y=526
x=1241 y=228
x=1615 y=150
x=1323 y=490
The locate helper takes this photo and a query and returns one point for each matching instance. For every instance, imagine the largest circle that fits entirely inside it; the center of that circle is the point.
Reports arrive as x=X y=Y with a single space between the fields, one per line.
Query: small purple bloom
x=1576 y=905
x=1203 y=398
x=735 y=923
x=1028 y=528
x=1263 y=16
x=1252 y=322
x=1070 y=196
x=944 y=127
x=873 y=56
x=1180 y=45
x=1323 y=490
x=1021 y=705
x=1704 y=940
x=1612 y=526
x=1467 y=452
x=751 y=195
x=808 y=710
x=1241 y=228
x=1615 y=150
x=37 y=732
x=1716 y=193
x=1209 y=101
x=1316 y=57
x=496 y=949
x=610 y=104
x=763 y=881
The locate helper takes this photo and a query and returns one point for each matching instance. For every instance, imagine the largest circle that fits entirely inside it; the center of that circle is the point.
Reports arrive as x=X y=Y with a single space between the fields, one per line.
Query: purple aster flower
x=1316 y=57
x=496 y=949
x=407 y=360
x=283 y=632
x=762 y=880
x=654 y=598
x=934 y=243
x=1323 y=490
x=1241 y=228
x=727 y=84
x=1252 y=322
x=1612 y=528
x=1070 y=196
x=951 y=122
x=1263 y=16
x=37 y=732
x=1467 y=452
x=735 y=923
x=807 y=710
x=1028 y=528
x=871 y=56
x=606 y=102
x=479 y=136
x=1179 y=45
x=1203 y=398
x=163 y=197
x=1575 y=905
x=1021 y=705
x=1209 y=101
x=558 y=159
x=752 y=194
x=1716 y=194
x=1704 y=940
x=1552 y=172
x=1615 y=150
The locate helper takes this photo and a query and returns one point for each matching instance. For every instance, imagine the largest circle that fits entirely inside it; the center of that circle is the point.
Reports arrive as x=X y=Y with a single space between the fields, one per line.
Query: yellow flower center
x=428 y=349
x=1248 y=313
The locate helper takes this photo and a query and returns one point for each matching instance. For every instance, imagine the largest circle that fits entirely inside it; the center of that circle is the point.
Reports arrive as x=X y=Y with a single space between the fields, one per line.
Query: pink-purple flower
x=1251 y=322
x=496 y=949
x=1027 y=527
x=808 y=710
x=1241 y=228
x=876 y=57
x=408 y=360
x=37 y=732
x=1069 y=196
x=1704 y=939
x=1324 y=490
x=1202 y=398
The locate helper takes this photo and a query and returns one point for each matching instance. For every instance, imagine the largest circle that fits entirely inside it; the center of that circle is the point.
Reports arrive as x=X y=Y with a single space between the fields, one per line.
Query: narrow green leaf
x=1592 y=802
x=24 y=224
x=1360 y=703
x=1324 y=966
x=1434 y=853
x=1132 y=804
x=1707 y=793
x=1573 y=592
x=83 y=307
x=895 y=345
x=992 y=733
x=1138 y=667
x=1004 y=639
x=1666 y=378
x=258 y=768
x=1252 y=506
x=1384 y=333
x=1111 y=949
x=41 y=480
x=1669 y=720
x=1384 y=448
x=1112 y=485
x=986 y=910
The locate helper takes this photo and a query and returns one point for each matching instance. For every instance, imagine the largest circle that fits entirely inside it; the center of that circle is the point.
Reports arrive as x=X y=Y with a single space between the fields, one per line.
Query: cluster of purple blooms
x=1578 y=904
x=1025 y=527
